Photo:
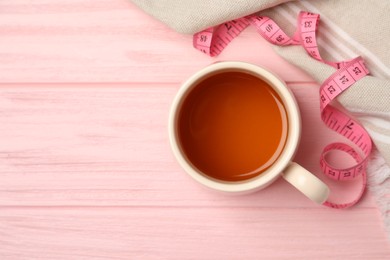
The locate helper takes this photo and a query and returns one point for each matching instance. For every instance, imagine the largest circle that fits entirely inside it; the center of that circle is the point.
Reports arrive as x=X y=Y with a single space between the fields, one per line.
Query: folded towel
x=348 y=28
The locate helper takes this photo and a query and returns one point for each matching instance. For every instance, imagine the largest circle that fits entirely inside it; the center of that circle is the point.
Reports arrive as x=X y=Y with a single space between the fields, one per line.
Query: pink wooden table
x=86 y=171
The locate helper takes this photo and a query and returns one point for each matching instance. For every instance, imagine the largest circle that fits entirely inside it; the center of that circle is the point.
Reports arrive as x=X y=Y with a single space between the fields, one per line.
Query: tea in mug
x=232 y=126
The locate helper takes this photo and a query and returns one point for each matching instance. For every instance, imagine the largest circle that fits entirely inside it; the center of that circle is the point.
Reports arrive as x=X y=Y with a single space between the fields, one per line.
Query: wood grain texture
x=108 y=41
x=188 y=233
x=75 y=145
x=85 y=165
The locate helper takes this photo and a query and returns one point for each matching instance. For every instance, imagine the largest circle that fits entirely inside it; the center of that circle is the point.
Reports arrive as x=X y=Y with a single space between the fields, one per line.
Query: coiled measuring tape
x=213 y=40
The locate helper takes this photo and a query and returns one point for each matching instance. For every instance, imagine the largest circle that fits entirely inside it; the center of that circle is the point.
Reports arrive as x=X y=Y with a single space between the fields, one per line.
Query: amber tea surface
x=232 y=126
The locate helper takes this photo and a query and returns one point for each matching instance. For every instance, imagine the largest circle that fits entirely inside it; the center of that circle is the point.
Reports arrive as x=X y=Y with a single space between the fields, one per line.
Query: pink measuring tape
x=213 y=40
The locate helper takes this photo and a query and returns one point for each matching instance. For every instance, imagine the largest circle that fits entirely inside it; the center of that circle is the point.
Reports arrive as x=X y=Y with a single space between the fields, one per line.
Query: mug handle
x=306 y=182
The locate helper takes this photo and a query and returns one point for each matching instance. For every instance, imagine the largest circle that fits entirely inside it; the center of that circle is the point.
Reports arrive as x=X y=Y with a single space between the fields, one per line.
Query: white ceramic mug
x=299 y=177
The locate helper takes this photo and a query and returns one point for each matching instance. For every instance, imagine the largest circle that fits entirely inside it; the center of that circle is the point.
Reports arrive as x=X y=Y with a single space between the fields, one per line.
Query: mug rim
x=293 y=136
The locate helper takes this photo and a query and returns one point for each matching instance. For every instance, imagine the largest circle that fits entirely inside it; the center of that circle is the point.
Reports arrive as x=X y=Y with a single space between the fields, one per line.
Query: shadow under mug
x=296 y=175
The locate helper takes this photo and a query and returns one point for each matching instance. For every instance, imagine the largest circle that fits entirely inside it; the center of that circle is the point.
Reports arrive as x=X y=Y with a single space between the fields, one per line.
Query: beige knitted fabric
x=190 y=16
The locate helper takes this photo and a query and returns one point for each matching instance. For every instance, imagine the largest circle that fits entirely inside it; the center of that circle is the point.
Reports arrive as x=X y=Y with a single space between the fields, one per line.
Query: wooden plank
x=189 y=233
x=109 y=41
x=107 y=144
